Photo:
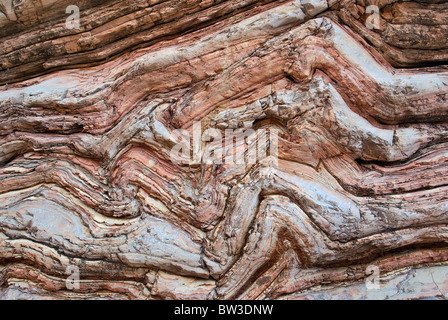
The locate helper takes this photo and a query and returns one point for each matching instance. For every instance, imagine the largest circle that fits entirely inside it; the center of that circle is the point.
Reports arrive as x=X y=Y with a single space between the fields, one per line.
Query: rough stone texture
x=88 y=118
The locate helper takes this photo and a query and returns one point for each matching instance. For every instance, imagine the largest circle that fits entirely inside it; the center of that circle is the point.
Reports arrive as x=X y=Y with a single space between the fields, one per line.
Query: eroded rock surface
x=357 y=186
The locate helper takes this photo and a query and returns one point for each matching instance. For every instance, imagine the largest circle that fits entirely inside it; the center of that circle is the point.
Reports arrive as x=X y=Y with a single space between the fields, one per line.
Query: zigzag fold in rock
x=90 y=117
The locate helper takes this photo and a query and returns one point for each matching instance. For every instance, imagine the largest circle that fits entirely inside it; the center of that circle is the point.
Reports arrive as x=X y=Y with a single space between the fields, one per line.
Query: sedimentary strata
x=355 y=179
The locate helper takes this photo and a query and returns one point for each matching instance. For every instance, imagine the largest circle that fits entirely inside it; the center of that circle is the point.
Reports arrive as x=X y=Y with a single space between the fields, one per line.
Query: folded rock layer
x=351 y=201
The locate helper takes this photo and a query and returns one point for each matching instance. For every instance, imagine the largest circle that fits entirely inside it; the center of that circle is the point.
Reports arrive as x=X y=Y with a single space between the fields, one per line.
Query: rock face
x=127 y=168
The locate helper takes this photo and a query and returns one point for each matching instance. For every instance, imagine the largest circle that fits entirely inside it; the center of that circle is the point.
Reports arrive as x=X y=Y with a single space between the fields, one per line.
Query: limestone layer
x=89 y=117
